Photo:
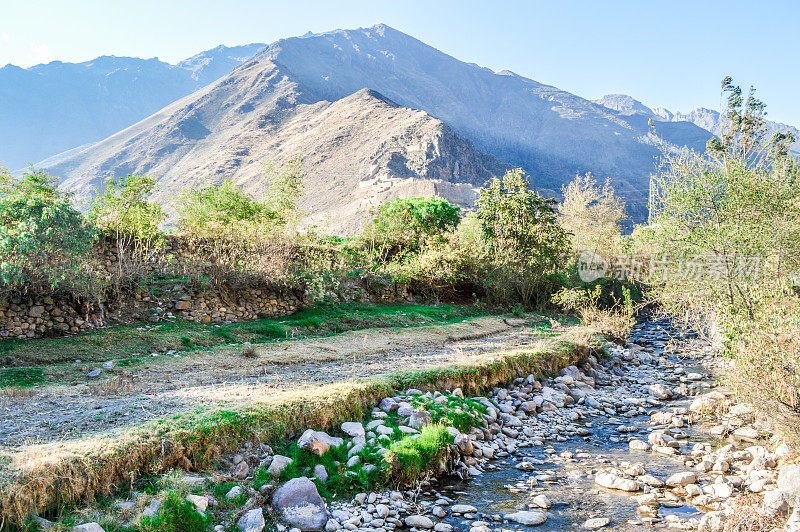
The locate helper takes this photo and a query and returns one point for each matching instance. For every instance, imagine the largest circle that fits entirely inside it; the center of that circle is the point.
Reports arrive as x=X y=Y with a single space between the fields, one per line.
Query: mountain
x=292 y=97
x=50 y=108
x=357 y=151
x=707 y=119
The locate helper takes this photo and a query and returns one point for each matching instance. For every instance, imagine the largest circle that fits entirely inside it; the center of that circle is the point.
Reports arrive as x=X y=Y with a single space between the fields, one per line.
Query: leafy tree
x=43 y=238
x=592 y=216
x=284 y=188
x=124 y=212
x=521 y=229
x=404 y=224
x=733 y=216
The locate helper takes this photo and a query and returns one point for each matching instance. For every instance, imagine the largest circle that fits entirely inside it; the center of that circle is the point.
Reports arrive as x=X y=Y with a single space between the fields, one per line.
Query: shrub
x=529 y=249
x=124 y=213
x=44 y=240
x=404 y=224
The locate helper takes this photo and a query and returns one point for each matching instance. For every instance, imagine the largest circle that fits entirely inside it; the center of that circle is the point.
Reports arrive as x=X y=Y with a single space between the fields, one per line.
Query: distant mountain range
x=707 y=119
x=373 y=113
x=47 y=109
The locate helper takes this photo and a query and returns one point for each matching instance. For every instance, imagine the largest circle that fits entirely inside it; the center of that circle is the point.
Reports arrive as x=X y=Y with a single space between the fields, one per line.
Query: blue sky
x=666 y=53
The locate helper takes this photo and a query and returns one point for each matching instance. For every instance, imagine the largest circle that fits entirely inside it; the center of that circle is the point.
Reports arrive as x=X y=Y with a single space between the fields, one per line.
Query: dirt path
x=127 y=397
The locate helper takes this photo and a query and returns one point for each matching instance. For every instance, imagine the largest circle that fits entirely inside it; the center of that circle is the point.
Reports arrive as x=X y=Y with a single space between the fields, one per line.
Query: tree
x=592 y=216
x=284 y=188
x=521 y=229
x=124 y=212
x=44 y=240
x=404 y=224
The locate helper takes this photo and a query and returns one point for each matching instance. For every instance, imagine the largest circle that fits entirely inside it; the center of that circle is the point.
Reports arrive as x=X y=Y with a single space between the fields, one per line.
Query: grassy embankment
x=63 y=475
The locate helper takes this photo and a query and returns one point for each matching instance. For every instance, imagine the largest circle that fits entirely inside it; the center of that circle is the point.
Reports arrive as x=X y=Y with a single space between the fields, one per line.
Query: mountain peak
x=624 y=104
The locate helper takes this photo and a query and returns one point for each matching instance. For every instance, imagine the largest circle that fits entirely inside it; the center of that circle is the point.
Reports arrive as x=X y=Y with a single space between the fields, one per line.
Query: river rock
x=279 y=463
x=706 y=403
x=527 y=517
x=300 y=504
x=463 y=509
x=418 y=419
x=613 y=480
x=659 y=391
x=745 y=434
x=252 y=521
x=318 y=442
x=638 y=445
x=683 y=478
x=596 y=523
x=419 y=521
x=712 y=522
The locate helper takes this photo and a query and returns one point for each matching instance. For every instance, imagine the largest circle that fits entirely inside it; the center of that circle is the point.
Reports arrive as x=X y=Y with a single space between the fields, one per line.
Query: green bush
x=44 y=240
x=124 y=213
x=404 y=224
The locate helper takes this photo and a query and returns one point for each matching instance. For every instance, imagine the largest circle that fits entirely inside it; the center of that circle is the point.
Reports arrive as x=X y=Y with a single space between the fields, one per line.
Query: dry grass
x=44 y=476
x=747 y=518
x=116 y=386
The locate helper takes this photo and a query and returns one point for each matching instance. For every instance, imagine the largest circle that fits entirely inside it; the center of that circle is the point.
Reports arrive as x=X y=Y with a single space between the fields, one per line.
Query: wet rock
x=300 y=504
x=527 y=517
x=682 y=479
x=596 y=523
x=463 y=509
x=252 y=521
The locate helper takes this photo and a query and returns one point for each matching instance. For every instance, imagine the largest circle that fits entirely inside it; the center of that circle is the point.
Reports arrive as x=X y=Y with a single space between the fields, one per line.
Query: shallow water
x=574 y=494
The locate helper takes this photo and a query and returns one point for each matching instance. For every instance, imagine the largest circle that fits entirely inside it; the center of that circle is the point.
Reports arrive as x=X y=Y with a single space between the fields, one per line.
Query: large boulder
x=789 y=481
x=300 y=504
x=318 y=442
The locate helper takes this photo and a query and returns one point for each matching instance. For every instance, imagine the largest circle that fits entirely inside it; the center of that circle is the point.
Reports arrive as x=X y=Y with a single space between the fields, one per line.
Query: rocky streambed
x=636 y=439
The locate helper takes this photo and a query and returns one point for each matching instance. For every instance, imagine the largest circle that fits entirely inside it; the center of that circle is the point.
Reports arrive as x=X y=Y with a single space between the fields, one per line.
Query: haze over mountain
x=707 y=119
x=285 y=100
x=49 y=108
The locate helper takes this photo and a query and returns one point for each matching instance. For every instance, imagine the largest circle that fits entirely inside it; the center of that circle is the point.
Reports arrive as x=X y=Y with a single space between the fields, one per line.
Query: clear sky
x=667 y=53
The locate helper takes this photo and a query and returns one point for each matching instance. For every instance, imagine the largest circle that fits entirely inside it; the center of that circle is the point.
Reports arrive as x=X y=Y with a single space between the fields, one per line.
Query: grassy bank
x=58 y=475
x=27 y=360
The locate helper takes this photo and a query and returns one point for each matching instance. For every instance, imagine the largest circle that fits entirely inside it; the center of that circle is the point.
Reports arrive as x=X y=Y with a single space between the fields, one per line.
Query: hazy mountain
x=49 y=108
x=707 y=119
x=357 y=151
x=229 y=128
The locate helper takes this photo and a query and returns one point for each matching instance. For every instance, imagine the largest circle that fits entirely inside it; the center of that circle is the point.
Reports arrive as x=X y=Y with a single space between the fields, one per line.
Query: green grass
x=20 y=377
x=127 y=343
x=175 y=515
x=410 y=458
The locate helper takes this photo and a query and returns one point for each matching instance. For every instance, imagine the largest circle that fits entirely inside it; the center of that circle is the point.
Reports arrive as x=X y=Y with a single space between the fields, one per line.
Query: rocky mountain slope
x=50 y=108
x=707 y=119
x=356 y=151
x=286 y=101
